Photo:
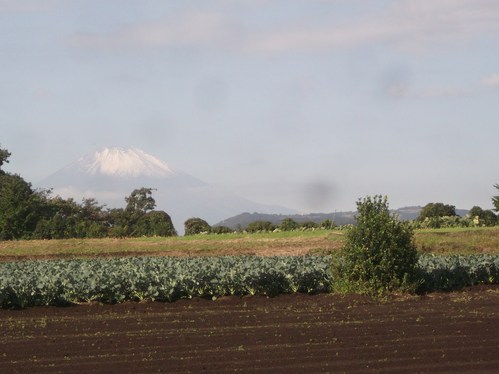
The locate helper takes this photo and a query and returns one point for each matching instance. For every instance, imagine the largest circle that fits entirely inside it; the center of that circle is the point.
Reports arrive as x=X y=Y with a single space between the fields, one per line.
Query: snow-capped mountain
x=121 y=162
x=111 y=174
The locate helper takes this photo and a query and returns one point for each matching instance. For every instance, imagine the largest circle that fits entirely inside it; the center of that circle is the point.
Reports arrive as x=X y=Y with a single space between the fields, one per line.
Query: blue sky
x=309 y=104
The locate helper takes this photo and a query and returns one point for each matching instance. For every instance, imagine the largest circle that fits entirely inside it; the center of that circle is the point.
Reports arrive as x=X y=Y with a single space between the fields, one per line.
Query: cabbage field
x=69 y=281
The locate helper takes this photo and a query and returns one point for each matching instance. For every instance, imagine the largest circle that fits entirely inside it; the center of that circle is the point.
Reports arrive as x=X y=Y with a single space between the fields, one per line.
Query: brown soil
x=455 y=332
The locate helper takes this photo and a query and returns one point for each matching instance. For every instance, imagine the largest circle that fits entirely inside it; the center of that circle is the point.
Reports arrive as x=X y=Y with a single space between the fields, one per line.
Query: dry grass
x=441 y=241
x=236 y=244
x=459 y=240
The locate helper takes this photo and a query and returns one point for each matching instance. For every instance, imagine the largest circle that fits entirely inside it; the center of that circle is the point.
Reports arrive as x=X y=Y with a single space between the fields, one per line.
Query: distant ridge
x=244 y=219
x=340 y=218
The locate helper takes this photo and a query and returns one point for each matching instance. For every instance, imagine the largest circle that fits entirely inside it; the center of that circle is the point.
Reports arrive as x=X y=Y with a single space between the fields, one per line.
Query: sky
x=307 y=104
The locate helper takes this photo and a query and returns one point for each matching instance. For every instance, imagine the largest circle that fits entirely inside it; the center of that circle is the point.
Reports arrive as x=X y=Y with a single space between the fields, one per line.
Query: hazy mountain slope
x=340 y=218
x=111 y=174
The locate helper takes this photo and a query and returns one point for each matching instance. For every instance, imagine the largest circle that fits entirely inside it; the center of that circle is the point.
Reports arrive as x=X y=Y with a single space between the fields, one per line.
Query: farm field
x=438 y=241
x=437 y=332
x=297 y=333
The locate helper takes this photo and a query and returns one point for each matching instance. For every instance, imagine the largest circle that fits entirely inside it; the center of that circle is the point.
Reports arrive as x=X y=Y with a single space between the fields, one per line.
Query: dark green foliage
x=195 y=225
x=119 y=227
x=288 y=224
x=447 y=273
x=307 y=225
x=485 y=217
x=67 y=219
x=155 y=223
x=221 y=230
x=137 y=219
x=495 y=199
x=432 y=210
x=4 y=158
x=62 y=282
x=432 y=214
x=379 y=254
x=140 y=201
x=29 y=214
x=327 y=224
x=20 y=207
x=260 y=226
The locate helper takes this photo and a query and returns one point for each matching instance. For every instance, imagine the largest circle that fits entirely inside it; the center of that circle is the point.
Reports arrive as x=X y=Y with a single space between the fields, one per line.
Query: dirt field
x=456 y=332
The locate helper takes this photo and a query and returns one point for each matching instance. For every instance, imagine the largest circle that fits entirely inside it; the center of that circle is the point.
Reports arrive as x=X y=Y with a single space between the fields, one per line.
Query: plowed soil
x=454 y=332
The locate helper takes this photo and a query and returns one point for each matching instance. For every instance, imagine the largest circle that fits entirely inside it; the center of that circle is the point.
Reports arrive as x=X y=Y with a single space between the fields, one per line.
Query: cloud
x=491 y=80
x=25 y=6
x=405 y=90
x=443 y=91
x=398 y=90
x=194 y=29
x=42 y=93
x=411 y=25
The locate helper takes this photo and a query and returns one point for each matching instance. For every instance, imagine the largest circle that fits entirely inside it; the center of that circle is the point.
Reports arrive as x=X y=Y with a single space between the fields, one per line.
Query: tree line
x=27 y=213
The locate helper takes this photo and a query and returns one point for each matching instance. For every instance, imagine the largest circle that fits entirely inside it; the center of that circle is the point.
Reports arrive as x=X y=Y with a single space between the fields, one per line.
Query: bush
x=155 y=223
x=309 y=225
x=327 y=224
x=221 y=230
x=260 y=226
x=288 y=224
x=433 y=210
x=379 y=254
x=442 y=222
x=195 y=225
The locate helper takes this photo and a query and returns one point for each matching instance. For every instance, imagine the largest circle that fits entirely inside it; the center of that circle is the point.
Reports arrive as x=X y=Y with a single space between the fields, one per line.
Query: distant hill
x=340 y=218
x=243 y=219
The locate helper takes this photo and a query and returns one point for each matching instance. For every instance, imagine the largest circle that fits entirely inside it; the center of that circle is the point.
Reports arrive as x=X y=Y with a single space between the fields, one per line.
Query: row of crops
x=62 y=282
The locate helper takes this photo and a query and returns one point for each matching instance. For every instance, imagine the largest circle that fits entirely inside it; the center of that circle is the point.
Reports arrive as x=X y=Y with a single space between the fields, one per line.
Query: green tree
x=123 y=222
x=432 y=214
x=309 y=225
x=119 y=223
x=195 y=225
x=64 y=220
x=485 y=217
x=155 y=223
x=20 y=207
x=433 y=210
x=379 y=254
x=221 y=230
x=93 y=220
x=260 y=226
x=288 y=224
x=476 y=211
x=327 y=224
x=4 y=158
x=495 y=199
x=140 y=200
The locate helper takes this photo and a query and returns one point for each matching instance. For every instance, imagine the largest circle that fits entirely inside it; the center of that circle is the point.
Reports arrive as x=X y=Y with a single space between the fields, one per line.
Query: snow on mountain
x=111 y=174
x=123 y=162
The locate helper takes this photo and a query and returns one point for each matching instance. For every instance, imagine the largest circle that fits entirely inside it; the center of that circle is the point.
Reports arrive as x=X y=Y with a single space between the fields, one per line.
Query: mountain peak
x=123 y=162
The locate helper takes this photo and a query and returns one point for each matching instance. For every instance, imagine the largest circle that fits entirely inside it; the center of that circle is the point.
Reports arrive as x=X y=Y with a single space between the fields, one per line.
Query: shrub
x=288 y=224
x=379 y=254
x=309 y=225
x=437 y=210
x=260 y=226
x=195 y=226
x=155 y=223
x=328 y=224
x=221 y=230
